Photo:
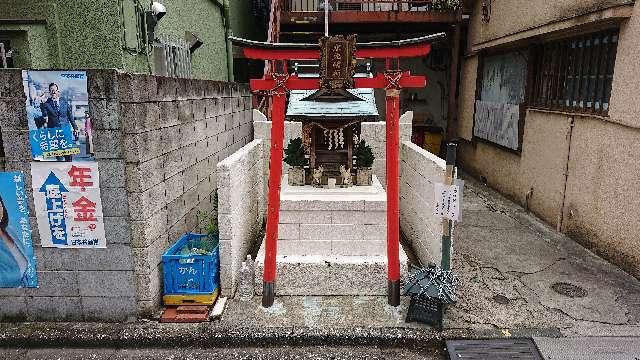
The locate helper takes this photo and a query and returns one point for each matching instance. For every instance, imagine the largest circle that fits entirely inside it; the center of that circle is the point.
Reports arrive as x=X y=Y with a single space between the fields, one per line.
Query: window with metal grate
x=575 y=74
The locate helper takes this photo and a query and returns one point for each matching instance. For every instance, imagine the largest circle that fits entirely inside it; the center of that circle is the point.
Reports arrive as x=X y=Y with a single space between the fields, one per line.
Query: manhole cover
x=501 y=299
x=569 y=290
x=515 y=349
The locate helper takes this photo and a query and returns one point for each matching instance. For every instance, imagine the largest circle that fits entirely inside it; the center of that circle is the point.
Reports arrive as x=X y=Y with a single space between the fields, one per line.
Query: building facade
x=118 y=35
x=547 y=115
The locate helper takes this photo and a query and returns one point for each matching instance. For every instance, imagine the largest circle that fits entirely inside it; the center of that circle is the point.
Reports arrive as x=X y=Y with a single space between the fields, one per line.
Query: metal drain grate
x=569 y=290
x=502 y=349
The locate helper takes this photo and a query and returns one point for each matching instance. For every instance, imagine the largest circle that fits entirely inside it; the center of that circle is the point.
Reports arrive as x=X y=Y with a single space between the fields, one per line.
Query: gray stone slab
x=108 y=309
x=589 y=348
x=55 y=283
x=106 y=283
x=54 y=309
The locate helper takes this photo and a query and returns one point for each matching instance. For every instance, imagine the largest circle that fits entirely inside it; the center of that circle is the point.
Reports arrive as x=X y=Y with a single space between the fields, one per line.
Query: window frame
x=558 y=61
x=531 y=63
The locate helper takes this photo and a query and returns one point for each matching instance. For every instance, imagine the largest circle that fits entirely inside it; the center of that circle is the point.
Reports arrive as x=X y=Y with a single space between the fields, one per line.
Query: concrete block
x=359 y=248
x=289 y=231
x=142 y=176
x=106 y=283
x=167 y=88
x=118 y=309
x=147 y=309
x=329 y=232
x=305 y=217
x=321 y=205
x=137 y=87
x=373 y=232
x=54 y=309
x=178 y=229
x=115 y=257
x=104 y=114
x=143 y=205
x=16 y=145
x=174 y=187
x=300 y=248
x=198 y=107
x=145 y=232
x=148 y=286
x=109 y=144
x=117 y=230
x=172 y=163
x=112 y=173
x=13 y=114
x=102 y=84
x=54 y=259
x=185 y=112
x=114 y=202
x=358 y=217
x=13 y=309
x=55 y=283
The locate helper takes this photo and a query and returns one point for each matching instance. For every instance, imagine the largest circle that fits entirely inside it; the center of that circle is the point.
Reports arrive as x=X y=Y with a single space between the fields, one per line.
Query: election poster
x=67 y=204
x=17 y=262
x=58 y=117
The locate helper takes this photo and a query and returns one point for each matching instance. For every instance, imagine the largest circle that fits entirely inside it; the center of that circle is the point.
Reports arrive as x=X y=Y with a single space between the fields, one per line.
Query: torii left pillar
x=278 y=99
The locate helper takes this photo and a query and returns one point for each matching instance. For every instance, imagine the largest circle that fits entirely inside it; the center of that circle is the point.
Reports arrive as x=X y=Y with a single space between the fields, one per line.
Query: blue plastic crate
x=186 y=272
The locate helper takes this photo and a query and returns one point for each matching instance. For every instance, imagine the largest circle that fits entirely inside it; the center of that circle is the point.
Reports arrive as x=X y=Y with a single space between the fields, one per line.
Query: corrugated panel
x=502 y=349
x=299 y=107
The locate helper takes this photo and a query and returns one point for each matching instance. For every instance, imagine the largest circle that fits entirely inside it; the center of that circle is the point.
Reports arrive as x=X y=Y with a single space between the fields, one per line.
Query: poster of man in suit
x=57 y=105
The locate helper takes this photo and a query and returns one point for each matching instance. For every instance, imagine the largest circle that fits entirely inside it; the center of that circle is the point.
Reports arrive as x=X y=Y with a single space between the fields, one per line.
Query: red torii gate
x=278 y=84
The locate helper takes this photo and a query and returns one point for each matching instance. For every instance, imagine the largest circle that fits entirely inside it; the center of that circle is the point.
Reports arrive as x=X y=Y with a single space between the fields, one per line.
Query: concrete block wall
x=157 y=142
x=173 y=134
x=240 y=215
x=334 y=226
x=374 y=133
x=74 y=284
x=419 y=171
x=262 y=130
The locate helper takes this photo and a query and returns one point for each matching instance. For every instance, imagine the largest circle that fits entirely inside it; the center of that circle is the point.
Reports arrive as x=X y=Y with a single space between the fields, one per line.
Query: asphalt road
x=307 y=353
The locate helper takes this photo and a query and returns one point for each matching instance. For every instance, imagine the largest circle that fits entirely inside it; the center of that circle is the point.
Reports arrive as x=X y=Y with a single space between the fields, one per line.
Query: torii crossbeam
x=278 y=84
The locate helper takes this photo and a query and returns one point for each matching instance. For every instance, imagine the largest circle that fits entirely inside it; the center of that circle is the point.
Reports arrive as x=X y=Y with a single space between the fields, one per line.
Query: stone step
x=318 y=275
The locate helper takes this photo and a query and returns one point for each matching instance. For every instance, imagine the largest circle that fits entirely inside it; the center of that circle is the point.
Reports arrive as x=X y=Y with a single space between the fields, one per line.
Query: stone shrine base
x=331 y=241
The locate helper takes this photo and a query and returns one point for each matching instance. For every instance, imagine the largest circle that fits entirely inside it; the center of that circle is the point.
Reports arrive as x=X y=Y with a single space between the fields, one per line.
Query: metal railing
x=369 y=5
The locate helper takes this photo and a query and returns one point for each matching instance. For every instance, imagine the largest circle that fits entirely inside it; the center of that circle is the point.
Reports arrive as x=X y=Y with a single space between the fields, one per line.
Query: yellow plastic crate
x=191 y=299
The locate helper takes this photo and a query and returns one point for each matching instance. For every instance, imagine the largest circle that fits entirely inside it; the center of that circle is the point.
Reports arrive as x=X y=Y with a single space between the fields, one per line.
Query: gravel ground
x=307 y=353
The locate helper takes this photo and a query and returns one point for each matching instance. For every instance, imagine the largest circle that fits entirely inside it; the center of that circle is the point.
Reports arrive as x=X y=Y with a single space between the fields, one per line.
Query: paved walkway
x=519 y=276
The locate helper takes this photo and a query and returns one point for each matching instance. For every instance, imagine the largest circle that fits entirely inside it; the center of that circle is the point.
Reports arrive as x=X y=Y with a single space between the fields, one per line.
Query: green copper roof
x=365 y=107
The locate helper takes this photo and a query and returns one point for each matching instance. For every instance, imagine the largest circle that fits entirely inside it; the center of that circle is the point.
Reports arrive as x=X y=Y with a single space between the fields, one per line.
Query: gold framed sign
x=337 y=62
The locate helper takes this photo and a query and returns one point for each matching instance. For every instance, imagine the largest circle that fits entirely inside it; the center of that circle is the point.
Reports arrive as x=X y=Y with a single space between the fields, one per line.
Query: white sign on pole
x=67 y=203
x=447 y=201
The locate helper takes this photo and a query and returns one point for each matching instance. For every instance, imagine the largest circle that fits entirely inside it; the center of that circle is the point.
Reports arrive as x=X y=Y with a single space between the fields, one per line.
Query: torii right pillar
x=393 y=194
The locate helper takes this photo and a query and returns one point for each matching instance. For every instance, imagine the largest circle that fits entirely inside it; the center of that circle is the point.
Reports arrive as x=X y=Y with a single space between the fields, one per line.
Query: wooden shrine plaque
x=337 y=62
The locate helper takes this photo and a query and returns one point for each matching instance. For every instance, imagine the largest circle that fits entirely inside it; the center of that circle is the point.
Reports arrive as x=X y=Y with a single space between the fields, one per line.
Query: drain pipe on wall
x=572 y=121
x=224 y=6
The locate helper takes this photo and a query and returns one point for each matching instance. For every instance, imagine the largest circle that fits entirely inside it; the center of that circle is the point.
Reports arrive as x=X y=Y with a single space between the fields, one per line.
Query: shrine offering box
x=192 y=265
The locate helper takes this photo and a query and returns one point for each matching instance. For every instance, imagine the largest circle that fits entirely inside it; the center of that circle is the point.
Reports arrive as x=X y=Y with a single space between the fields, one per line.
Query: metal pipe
x=224 y=7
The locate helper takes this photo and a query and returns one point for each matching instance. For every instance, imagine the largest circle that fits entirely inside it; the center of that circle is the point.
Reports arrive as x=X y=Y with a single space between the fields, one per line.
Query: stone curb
x=152 y=334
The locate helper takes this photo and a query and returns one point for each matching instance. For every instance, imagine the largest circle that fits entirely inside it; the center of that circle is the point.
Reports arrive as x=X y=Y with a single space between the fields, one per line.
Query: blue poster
x=60 y=125
x=17 y=262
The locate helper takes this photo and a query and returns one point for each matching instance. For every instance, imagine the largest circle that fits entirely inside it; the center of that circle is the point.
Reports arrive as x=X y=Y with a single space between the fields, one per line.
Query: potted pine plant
x=294 y=157
x=364 y=162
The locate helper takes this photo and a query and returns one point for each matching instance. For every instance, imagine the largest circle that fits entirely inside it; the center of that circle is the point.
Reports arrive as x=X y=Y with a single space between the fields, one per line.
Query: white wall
x=240 y=211
x=375 y=133
x=419 y=171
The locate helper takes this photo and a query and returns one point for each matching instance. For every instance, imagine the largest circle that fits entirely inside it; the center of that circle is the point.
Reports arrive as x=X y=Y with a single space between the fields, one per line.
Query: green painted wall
x=204 y=18
x=79 y=33
x=242 y=22
x=90 y=33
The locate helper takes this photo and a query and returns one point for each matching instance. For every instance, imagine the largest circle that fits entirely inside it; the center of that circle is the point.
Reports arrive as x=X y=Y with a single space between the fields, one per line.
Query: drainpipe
x=224 y=10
